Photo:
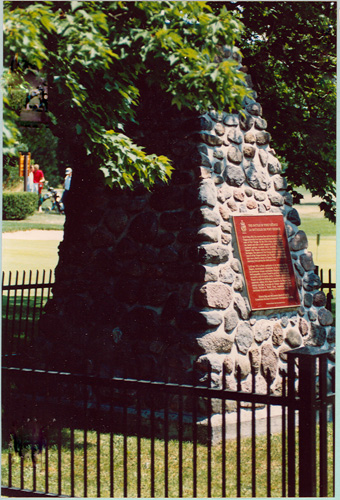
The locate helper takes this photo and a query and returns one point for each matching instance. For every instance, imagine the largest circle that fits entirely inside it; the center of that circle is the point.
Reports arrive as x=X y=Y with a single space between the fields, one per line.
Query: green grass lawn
x=38 y=220
x=157 y=463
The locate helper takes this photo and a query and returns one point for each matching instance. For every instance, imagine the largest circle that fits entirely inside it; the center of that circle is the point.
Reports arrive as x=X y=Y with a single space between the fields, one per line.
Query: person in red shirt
x=38 y=182
x=38 y=179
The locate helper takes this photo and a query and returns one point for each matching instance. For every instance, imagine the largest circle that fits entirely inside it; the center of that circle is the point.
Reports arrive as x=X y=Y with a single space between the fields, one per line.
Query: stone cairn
x=155 y=284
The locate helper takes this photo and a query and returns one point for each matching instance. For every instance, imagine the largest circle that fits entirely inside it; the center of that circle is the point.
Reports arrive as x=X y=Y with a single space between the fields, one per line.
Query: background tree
x=290 y=51
x=99 y=56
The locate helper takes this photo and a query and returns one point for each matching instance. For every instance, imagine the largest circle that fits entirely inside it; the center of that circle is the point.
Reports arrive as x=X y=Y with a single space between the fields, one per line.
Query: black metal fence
x=79 y=435
x=23 y=299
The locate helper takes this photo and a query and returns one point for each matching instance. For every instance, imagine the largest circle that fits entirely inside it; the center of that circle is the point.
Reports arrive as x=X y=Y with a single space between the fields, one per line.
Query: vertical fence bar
x=253 y=437
x=8 y=349
x=112 y=456
x=34 y=308
x=180 y=446
x=209 y=438
x=14 y=307
x=72 y=388
x=194 y=438
x=125 y=446
x=28 y=308
x=238 y=435
x=284 y=436
x=152 y=449
x=20 y=312
x=166 y=445
x=85 y=409
x=268 y=439
x=224 y=492
x=139 y=451
x=291 y=427
x=323 y=368
x=47 y=465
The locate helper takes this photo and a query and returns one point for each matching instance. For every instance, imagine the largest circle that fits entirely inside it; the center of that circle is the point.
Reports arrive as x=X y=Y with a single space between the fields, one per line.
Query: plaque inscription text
x=266 y=261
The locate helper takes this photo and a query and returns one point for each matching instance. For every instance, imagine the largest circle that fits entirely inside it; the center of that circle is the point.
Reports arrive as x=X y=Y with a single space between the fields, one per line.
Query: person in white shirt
x=67 y=185
x=29 y=184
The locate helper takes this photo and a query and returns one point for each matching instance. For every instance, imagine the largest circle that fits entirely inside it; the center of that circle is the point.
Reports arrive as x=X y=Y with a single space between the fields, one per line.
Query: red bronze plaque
x=266 y=261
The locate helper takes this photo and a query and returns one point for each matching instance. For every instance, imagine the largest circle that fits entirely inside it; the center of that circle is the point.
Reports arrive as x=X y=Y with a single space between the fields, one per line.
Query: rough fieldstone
x=144 y=227
x=168 y=254
x=299 y=268
x=325 y=317
x=262 y=138
x=280 y=183
x=238 y=195
x=210 y=139
x=269 y=362
x=308 y=299
x=260 y=196
x=126 y=248
x=207 y=193
x=238 y=283
x=234 y=155
x=215 y=342
x=235 y=265
x=231 y=320
x=227 y=275
x=263 y=330
x=303 y=327
x=225 y=212
x=293 y=338
x=293 y=216
x=276 y=199
x=319 y=299
x=235 y=136
x=241 y=305
x=263 y=155
x=298 y=242
x=219 y=154
x=215 y=295
x=311 y=282
x=230 y=120
x=274 y=166
x=249 y=151
x=284 y=321
x=255 y=359
x=232 y=205
x=153 y=292
x=331 y=335
x=244 y=337
x=169 y=198
x=312 y=315
x=251 y=204
x=102 y=238
x=208 y=234
x=246 y=121
x=283 y=352
x=205 y=215
x=218 y=167
x=249 y=138
x=228 y=365
x=254 y=109
x=306 y=260
x=289 y=199
x=226 y=227
x=193 y=320
x=224 y=193
x=219 y=129
x=217 y=116
x=234 y=176
x=212 y=254
x=257 y=180
x=116 y=220
x=278 y=335
x=175 y=220
x=260 y=123
x=242 y=366
x=317 y=335
x=225 y=239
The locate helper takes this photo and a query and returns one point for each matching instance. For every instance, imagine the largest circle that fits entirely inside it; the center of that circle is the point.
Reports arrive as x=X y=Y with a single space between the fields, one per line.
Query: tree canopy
x=290 y=51
x=97 y=55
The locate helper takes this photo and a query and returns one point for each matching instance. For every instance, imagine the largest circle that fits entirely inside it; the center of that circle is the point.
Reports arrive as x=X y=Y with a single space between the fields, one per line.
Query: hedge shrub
x=18 y=206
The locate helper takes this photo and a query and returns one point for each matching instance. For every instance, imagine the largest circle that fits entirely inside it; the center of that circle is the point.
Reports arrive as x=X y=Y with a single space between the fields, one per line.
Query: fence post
x=307 y=403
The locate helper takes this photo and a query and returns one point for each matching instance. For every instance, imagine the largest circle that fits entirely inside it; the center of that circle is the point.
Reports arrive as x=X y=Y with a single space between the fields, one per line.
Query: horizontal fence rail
x=86 y=436
x=23 y=299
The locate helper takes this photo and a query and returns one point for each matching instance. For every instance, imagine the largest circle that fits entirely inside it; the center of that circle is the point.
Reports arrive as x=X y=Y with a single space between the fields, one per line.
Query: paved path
x=34 y=234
